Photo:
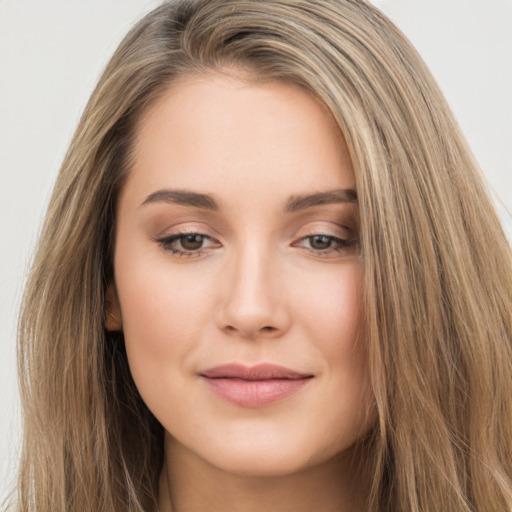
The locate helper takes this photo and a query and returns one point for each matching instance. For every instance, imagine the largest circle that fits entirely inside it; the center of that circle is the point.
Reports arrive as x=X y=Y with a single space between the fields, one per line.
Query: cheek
x=332 y=311
x=164 y=316
x=348 y=350
x=333 y=316
x=155 y=309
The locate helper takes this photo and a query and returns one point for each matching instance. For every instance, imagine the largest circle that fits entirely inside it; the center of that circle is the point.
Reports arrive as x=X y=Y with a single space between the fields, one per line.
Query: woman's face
x=238 y=277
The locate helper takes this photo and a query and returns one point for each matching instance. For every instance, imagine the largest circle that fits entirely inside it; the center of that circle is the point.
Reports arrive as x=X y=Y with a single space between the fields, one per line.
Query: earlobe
x=113 y=320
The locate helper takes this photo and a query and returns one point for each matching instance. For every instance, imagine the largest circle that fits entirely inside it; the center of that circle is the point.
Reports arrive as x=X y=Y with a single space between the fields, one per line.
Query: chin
x=262 y=465
x=270 y=457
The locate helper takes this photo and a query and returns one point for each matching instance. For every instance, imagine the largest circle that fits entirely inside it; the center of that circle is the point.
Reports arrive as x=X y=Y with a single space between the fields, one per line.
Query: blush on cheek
x=164 y=317
x=334 y=305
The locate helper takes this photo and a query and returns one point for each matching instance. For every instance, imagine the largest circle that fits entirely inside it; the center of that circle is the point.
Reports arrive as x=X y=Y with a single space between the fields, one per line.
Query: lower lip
x=255 y=393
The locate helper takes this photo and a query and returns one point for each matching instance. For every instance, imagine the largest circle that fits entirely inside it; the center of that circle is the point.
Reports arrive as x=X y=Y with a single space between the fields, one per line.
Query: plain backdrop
x=52 y=52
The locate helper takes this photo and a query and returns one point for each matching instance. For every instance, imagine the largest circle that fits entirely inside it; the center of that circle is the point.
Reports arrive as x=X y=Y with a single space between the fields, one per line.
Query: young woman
x=270 y=278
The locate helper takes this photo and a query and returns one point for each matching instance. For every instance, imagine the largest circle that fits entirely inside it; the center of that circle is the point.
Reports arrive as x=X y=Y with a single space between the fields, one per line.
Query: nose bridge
x=253 y=302
x=252 y=276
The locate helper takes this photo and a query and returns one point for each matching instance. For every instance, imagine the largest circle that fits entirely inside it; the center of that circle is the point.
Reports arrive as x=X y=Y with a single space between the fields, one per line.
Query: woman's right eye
x=187 y=244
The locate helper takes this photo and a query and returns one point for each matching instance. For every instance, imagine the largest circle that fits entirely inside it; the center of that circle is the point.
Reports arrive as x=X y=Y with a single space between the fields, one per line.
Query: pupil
x=192 y=242
x=320 y=242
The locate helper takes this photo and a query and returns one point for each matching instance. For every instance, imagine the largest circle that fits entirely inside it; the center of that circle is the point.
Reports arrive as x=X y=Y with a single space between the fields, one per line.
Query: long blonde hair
x=438 y=269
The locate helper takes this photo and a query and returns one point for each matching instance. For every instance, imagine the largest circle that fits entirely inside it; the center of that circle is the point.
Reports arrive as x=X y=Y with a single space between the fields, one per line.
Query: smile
x=255 y=386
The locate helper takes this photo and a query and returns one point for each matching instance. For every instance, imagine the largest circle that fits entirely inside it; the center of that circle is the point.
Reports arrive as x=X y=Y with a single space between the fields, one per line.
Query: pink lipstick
x=254 y=386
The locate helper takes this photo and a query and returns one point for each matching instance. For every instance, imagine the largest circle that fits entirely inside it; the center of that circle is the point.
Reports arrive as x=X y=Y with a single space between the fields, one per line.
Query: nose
x=253 y=301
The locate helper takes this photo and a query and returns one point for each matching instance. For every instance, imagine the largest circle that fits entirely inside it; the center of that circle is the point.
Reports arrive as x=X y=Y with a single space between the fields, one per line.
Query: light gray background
x=52 y=52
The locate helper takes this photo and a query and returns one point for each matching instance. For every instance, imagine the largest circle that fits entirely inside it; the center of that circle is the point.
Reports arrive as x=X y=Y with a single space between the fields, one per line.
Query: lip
x=254 y=386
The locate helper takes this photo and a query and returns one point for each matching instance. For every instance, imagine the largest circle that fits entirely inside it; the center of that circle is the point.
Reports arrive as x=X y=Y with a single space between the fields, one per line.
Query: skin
x=257 y=288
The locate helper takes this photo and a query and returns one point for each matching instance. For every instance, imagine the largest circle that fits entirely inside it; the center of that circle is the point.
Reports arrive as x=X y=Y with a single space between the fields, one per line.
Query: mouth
x=254 y=386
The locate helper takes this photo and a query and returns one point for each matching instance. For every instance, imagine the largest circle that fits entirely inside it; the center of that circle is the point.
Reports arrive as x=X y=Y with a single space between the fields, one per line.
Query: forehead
x=213 y=131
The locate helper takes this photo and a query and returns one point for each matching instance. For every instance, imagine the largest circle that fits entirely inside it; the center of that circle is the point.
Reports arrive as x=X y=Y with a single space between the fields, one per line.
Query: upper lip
x=263 y=371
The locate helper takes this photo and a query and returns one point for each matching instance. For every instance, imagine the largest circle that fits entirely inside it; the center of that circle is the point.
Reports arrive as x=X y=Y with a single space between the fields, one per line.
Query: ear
x=113 y=320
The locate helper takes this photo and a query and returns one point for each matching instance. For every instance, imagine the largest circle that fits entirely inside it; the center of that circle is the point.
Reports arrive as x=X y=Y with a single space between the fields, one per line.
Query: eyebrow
x=295 y=203
x=183 y=197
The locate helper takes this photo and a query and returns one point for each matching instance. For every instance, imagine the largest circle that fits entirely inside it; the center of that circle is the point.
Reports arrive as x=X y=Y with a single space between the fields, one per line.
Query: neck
x=188 y=484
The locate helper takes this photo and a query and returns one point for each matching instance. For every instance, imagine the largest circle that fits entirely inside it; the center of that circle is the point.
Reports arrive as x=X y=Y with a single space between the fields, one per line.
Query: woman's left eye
x=187 y=244
x=325 y=244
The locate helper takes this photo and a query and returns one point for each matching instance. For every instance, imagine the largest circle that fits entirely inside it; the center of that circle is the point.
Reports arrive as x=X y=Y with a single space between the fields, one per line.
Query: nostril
x=268 y=328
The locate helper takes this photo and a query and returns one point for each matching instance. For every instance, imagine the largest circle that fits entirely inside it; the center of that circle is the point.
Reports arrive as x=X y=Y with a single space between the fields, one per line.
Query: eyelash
x=340 y=244
x=168 y=244
x=168 y=241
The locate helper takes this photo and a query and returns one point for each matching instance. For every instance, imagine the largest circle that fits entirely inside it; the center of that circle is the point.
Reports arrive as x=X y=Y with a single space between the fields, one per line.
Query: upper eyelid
x=333 y=230
x=300 y=233
x=341 y=228
x=184 y=230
